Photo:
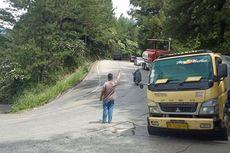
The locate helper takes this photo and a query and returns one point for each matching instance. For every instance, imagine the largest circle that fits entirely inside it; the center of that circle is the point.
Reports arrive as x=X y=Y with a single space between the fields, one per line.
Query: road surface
x=72 y=122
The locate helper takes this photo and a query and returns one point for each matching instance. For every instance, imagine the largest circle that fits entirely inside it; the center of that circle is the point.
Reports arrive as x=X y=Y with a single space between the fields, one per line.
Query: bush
x=43 y=94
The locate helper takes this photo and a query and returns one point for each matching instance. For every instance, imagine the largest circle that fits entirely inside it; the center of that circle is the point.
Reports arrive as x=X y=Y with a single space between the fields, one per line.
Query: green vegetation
x=41 y=95
x=53 y=38
x=193 y=24
x=127 y=36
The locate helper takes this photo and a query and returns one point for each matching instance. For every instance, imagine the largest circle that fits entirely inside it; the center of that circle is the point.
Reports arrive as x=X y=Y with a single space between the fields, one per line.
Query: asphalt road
x=72 y=122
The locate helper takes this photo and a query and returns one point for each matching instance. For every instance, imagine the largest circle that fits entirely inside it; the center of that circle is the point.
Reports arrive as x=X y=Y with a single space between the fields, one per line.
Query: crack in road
x=119 y=123
x=132 y=132
x=185 y=149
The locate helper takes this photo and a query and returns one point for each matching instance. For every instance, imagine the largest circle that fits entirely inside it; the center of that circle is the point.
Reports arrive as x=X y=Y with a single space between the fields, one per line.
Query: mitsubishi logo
x=177 y=109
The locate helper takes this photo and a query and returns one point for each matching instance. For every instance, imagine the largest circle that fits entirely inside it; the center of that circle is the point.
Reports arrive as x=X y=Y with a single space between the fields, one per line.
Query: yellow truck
x=188 y=91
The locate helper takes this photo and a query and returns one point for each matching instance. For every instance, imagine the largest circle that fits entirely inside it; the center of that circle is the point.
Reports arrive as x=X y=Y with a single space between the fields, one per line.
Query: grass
x=32 y=99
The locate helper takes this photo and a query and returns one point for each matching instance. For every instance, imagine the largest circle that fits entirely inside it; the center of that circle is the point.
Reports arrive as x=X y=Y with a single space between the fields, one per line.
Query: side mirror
x=222 y=70
x=137 y=77
x=141 y=86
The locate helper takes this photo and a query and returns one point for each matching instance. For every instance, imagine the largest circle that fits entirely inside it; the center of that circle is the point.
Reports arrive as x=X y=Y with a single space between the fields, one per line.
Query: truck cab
x=158 y=47
x=188 y=91
x=117 y=55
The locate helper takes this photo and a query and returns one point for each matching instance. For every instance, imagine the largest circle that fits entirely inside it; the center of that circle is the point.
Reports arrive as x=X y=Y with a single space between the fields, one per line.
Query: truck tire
x=224 y=132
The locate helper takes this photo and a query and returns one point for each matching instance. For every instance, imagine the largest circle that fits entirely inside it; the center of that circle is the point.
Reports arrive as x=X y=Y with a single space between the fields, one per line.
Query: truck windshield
x=179 y=69
x=162 y=45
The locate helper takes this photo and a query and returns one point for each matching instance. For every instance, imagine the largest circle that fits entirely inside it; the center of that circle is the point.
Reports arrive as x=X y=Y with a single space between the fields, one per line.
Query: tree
x=52 y=36
x=150 y=18
x=127 y=36
x=207 y=21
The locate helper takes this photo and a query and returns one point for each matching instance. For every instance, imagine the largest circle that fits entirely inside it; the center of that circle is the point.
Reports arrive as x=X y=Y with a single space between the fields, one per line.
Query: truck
x=158 y=47
x=117 y=55
x=188 y=91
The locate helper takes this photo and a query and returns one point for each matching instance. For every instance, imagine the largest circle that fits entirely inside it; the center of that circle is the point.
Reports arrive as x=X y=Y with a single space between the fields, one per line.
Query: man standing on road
x=108 y=95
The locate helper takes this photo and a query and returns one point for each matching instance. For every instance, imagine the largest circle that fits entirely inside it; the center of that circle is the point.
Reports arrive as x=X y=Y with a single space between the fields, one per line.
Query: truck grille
x=178 y=107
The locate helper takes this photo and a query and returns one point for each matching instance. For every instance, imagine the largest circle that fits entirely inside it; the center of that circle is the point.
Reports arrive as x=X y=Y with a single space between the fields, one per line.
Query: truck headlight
x=209 y=107
x=153 y=108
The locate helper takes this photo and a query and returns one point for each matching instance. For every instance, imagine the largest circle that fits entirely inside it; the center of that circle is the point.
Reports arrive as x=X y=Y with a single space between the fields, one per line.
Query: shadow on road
x=95 y=122
x=195 y=135
x=169 y=135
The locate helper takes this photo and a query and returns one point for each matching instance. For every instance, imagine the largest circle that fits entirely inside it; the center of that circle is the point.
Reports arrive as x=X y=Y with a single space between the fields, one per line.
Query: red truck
x=159 y=47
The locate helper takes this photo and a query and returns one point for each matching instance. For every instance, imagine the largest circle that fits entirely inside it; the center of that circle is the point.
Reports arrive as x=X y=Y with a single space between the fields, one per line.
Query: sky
x=2 y=4
x=122 y=6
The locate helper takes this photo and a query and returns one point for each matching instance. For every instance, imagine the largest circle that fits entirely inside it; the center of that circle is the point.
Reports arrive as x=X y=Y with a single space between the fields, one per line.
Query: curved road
x=72 y=122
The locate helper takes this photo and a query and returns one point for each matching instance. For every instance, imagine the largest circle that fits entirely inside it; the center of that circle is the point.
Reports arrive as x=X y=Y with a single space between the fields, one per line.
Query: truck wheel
x=224 y=131
x=222 y=134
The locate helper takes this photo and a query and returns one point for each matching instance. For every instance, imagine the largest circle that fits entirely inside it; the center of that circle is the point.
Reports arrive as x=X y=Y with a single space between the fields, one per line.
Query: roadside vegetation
x=193 y=24
x=53 y=38
x=41 y=94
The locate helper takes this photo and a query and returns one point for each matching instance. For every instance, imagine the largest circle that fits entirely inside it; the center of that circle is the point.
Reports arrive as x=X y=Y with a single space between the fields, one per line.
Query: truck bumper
x=182 y=123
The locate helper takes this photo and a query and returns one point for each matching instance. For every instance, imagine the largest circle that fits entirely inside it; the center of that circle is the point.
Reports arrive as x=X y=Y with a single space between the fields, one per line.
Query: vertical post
x=169 y=44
